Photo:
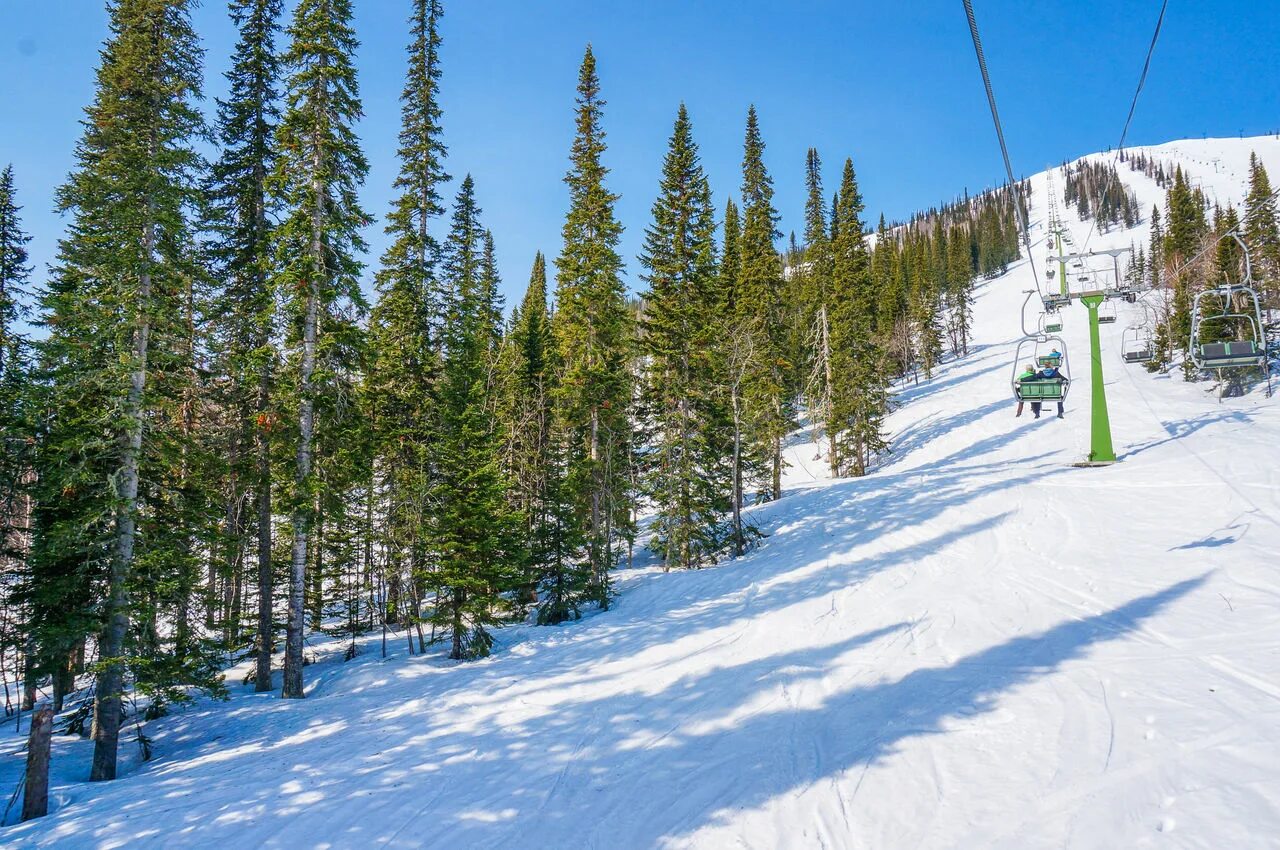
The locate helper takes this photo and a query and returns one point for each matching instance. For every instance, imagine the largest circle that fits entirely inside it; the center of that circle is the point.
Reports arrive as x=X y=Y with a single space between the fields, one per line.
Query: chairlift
x=1246 y=320
x=1106 y=313
x=1137 y=345
x=1050 y=323
x=1046 y=352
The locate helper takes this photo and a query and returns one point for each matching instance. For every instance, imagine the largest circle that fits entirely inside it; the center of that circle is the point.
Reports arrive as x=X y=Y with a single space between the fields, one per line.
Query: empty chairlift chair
x=1136 y=346
x=1245 y=320
x=1235 y=312
x=1107 y=313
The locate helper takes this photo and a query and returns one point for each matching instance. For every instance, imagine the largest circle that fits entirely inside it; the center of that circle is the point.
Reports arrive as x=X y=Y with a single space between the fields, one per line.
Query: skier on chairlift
x=1028 y=374
x=1051 y=373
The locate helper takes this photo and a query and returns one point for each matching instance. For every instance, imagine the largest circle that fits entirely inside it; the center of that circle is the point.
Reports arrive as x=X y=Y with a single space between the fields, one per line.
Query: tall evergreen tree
x=317 y=244
x=15 y=430
x=475 y=531
x=406 y=327
x=113 y=357
x=686 y=471
x=527 y=369
x=244 y=312
x=15 y=272
x=1185 y=225
x=817 y=294
x=737 y=329
x=593 y=333
x=759 y=298
x=1262 y=228
x=860 y=382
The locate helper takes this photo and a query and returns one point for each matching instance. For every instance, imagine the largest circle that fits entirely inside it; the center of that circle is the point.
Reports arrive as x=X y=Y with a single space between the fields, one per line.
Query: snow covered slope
x=978 y=645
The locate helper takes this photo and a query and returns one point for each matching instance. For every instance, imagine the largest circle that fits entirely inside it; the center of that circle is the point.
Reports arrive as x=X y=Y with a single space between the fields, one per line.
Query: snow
x=977 y=645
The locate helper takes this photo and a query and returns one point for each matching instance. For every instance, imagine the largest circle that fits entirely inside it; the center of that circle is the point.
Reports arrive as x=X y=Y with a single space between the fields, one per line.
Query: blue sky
x=894 y=85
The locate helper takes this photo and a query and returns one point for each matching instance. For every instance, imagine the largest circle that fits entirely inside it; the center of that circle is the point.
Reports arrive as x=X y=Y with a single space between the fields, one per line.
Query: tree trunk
x=595 y=498
x=108 y=707
x=829 y=424
x=35 y=798
x=306 y=432
x=262 y=446
x=301 y=513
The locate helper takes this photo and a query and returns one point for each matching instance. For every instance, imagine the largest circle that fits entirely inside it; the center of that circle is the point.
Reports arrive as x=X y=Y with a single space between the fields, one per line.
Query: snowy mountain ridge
x=976 y=645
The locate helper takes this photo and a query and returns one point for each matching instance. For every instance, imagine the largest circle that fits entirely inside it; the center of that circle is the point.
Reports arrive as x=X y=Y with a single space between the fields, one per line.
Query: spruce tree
x=15 y=431
x=592 y=329
x=318 y=243
x=737 y=329
x=245 y=335
x=15 y=272
x=1184 y=228
x=526 y=371
x=113 y=357
x=1262 y=228
x=959 y=295
x=406 y=327
x=475 y=532
x=817 y=295
x=759 y=299
x=859 y=399
x=686 y=469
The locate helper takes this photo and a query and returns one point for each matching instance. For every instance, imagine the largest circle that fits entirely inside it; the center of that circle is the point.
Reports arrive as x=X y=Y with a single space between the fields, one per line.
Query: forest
x=225 y=427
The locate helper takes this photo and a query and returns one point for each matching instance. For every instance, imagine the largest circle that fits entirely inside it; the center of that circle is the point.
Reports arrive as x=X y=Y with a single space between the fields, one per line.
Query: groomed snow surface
x=978 y=645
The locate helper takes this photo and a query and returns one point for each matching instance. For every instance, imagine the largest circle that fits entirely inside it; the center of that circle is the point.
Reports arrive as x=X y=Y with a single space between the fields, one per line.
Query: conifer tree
x=685 y=475
x=1184 y=228
x=959 y=283
x=816 y=292
x=244 y=312
x=526 y=371
x=592 y=329
x=474 y=530
x=860 y=387
x=737 y=329
x=731 y=259
x=15 y=272
x=407 y=324
x=760 y=298
x=113 y=356
x=1262 y=228
x=317 y=246
x=15 y=430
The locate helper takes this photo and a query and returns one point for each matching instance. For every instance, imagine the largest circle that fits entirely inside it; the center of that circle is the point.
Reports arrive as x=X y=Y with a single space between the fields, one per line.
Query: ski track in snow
x=977 y=645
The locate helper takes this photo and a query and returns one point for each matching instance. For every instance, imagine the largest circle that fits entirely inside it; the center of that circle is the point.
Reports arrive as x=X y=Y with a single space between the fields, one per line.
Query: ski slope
x=977 y=645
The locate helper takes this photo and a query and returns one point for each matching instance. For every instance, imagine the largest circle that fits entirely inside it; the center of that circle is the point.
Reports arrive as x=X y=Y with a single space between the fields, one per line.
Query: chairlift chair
x=1229 y=354
x=1107 y=313
x=1041 y=389
x=1136 y=345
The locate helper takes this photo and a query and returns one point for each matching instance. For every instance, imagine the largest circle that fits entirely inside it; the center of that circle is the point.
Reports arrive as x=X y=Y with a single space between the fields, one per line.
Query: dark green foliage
x=318 y=245
x=1098 y=193
x=120 y=352
x=243 y=317
x=859 y=390
x=593 y=336
x=476 y=535
x=758 y=306
x=686 y=474
x=406 y=331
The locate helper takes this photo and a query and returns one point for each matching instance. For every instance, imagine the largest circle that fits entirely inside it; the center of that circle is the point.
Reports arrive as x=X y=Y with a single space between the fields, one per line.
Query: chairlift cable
x=1014 y=185
x=1142 y=79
